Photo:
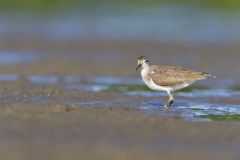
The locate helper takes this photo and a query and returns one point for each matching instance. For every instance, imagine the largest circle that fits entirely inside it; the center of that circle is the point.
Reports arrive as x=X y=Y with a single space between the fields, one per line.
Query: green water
x=50 y=5
x=235 y=88
x=127 y=88
x=124 y=88
x=226 y=117
x=192 y=88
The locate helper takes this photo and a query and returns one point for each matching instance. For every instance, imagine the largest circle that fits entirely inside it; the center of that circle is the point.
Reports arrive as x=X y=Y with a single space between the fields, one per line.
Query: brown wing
x=172 y=76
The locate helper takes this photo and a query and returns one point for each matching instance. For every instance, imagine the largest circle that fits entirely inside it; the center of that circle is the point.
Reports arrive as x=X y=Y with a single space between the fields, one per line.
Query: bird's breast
x=149 y=82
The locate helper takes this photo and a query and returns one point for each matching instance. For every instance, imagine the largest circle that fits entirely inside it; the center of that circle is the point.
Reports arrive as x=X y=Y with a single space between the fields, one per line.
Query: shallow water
x=195 y=103
x=36 y=79
x=8 y=77
x=17 y=57
x=187 y=110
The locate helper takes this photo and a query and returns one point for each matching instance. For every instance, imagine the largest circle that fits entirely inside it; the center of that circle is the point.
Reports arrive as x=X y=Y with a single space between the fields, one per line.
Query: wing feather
x=173 y=76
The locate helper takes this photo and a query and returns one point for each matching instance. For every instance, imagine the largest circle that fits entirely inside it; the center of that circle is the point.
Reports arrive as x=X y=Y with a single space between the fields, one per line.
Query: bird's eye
x=146 y=60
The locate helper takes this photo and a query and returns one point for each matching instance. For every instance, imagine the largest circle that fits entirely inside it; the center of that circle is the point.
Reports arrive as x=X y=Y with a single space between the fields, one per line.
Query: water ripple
x=43 y=79
x=13 y=58
x=192 y=111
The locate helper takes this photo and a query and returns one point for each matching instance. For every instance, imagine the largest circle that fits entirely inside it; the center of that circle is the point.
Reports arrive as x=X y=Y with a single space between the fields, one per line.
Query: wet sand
x=38 y=122
x=30 y=130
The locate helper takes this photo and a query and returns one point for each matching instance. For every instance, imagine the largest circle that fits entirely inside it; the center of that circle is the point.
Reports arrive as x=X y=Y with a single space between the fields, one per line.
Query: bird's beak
x=139 y=65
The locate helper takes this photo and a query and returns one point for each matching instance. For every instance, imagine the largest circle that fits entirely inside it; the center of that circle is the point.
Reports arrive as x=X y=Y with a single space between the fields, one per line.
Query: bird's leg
x=170 y=100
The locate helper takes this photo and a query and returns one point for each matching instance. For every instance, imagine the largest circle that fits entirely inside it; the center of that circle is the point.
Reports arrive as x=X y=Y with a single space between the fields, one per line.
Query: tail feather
x=205 y=74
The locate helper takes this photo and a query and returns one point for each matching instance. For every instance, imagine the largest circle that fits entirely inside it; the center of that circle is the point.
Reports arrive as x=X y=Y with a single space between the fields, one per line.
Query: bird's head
x=143 y=62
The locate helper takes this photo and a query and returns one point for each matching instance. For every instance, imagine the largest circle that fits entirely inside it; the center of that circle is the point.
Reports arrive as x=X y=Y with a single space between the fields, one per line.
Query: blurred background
x=68 y=84
x=91 y=38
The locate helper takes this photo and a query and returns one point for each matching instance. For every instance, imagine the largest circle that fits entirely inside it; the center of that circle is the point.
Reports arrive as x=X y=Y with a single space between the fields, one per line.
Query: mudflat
x=54 y=107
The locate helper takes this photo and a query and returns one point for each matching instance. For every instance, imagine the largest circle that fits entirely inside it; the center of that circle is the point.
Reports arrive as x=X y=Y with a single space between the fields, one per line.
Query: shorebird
x=168 y=78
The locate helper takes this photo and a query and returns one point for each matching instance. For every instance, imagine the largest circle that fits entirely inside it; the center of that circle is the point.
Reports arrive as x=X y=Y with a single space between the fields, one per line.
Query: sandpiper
x=168 y=78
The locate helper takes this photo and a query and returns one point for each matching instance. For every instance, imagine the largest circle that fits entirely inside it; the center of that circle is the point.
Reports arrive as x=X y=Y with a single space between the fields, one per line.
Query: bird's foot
x=170 y=104
x=165 y=106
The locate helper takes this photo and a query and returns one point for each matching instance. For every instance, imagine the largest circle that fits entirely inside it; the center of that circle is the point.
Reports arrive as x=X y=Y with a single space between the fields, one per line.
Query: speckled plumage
x=170 y=76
